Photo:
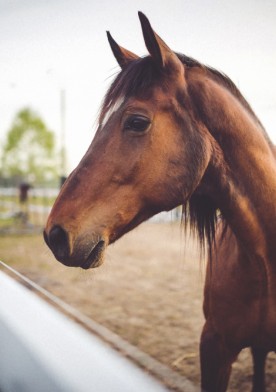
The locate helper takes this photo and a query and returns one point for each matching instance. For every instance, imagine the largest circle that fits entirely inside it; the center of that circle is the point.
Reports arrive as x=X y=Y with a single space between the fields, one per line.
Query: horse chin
x=95 y=257
x=85 y=258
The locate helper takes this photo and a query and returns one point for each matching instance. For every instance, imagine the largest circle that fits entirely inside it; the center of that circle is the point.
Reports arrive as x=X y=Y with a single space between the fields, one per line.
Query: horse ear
x=157 y=48
x=122 y=55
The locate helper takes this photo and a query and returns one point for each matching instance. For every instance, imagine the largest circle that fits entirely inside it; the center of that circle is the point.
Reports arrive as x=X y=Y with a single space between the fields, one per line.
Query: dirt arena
x=149 y=291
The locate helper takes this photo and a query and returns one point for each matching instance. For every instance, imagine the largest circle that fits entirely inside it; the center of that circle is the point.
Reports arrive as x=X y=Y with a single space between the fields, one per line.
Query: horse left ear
x=122 y=55
x=157 y=48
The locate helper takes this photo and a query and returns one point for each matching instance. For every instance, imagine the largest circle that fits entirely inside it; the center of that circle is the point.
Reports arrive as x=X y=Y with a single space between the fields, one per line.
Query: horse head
x=148 y=155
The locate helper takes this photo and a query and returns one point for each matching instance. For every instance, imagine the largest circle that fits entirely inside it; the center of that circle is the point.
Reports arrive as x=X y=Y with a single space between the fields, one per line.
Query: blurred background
x=56 y=66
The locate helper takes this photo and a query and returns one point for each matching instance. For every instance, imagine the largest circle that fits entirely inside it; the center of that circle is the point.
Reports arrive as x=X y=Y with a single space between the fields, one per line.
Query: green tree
x=29 y=149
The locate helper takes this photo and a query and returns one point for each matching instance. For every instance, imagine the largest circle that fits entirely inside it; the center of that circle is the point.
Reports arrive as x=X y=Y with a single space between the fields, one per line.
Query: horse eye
x=136 y=124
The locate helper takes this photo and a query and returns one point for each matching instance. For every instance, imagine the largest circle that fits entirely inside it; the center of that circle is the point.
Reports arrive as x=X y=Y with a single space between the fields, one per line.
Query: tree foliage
x=29 y=149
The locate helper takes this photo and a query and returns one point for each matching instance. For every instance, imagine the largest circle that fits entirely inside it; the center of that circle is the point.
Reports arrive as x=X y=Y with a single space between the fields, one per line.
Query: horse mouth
x=95 y=257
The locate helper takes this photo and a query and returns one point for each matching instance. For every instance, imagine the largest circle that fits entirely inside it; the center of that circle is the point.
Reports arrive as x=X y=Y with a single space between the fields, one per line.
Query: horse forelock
x=135 y=79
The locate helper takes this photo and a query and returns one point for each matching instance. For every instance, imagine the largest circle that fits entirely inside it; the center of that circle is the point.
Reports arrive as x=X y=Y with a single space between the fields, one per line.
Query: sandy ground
x=149 y=291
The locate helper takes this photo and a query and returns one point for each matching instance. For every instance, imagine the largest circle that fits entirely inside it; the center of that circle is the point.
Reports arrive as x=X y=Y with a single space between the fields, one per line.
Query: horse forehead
x=158 y=96
x=113 y=107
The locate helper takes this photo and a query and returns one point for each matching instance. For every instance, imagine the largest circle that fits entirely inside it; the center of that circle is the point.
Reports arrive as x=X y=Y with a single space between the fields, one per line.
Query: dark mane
x=137 y=79
x=224 y=80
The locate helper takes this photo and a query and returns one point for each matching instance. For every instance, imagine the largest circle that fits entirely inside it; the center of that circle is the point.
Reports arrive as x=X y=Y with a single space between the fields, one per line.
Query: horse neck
x=244 y=177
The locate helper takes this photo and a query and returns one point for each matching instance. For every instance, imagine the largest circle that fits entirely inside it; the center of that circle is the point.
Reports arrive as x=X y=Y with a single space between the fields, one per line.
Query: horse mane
x=199 y=213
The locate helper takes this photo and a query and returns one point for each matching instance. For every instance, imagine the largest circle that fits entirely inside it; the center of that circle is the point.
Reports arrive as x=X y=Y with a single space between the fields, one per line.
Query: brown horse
x=173 y=131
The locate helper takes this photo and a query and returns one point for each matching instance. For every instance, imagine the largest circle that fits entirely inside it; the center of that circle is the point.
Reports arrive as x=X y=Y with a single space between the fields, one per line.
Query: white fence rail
x=43 y=350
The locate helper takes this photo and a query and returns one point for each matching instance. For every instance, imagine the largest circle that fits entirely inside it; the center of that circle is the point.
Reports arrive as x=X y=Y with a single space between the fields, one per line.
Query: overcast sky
x=46 y=46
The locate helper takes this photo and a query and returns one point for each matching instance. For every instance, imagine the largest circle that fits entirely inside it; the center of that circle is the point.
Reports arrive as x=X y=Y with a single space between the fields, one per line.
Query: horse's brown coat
x=200 y=144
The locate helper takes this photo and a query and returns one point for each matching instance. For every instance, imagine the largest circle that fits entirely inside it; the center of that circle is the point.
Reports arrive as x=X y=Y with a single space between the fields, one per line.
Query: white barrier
x=41 y=350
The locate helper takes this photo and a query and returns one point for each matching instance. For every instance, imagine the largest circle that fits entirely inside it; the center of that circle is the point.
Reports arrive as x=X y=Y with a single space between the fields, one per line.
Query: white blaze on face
x=113 y=108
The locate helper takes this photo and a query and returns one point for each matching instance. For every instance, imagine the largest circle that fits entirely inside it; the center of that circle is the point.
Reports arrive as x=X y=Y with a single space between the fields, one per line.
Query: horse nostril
x=58 y=242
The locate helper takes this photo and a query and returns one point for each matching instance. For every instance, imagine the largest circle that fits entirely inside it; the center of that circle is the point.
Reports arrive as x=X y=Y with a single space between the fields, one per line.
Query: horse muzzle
x=85 y=252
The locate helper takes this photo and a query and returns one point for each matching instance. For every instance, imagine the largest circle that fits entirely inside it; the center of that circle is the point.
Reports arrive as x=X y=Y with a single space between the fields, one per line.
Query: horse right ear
x=163 y=56
x=122 y=55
